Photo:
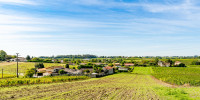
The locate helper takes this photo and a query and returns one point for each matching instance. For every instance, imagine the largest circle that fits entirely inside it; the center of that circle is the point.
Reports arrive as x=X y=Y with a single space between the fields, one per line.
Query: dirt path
x=7 y=63
x=164 y=83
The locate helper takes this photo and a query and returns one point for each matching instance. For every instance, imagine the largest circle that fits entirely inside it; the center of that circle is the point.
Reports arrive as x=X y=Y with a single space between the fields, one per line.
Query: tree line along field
x=138 y=85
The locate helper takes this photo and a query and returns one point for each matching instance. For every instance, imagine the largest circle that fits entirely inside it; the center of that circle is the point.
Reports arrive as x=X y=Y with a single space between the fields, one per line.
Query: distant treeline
x=94 y=56
x=71 y=56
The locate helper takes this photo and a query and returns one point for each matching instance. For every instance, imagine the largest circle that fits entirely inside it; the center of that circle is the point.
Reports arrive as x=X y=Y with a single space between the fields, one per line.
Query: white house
x=128 y=64
x=123 y=69
x=177 y=63
x=161 y=63
x=108 y=69
x=20 y=59
x=117 y=65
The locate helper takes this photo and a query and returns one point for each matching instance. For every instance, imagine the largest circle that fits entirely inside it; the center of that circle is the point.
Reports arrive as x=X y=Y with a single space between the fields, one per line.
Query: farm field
x=178 y=76
x=27 y=81
x=10 y=68
x=123 y=86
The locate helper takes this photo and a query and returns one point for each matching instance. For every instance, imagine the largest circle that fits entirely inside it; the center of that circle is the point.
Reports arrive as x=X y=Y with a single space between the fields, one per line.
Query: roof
x=177 y=62
x=54 y=67
x=42 y=69
x=108 y=67
x=122 y=68
x=128 y=64
x=83 y=63
x=49 y=72
x=98 y=63
x=117 y=64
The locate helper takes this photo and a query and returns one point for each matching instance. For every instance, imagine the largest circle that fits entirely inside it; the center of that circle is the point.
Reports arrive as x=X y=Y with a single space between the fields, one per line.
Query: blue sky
x=100 y=27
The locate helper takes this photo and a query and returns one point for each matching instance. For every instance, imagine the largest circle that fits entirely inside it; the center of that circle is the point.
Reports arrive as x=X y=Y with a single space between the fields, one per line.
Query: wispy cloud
x=18 y=2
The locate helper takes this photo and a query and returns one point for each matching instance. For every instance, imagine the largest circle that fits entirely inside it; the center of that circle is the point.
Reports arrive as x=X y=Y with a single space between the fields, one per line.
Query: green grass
x=10 y=68
x=7 y=76
x=137 y=85
x=142 y=70
x=179 y=76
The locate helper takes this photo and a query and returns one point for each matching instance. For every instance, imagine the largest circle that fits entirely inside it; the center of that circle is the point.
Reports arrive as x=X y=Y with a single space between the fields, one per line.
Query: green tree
x=67 y=66
x=39 y=65
x=28 y=57
x=61 y=72
x=110 y=65
x=30 y=73
x=3 y=55
x=156 y=61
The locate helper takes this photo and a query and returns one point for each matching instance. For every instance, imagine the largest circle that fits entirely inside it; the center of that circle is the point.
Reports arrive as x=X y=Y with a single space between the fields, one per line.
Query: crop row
x=178 y=76
x=27 y=81
x=7 y=76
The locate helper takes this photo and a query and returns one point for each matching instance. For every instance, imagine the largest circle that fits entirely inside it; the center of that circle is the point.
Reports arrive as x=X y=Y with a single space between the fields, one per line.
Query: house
x=161 y=63
x=117 y=65
x=98 y=63
x=167 y=64
x=61 y=61
x=20 y=59
x=94 y=75
x=90 y=69
x=177 y=63
x=128 y=64
x=83 y=63
x=49 y=71
x=41 y=70
x=123 y=69
x=73 y=71
x=54 y=68
x=108 y=70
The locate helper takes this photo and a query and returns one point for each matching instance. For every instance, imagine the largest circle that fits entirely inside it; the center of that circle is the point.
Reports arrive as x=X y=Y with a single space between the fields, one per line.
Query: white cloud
x=18 y=2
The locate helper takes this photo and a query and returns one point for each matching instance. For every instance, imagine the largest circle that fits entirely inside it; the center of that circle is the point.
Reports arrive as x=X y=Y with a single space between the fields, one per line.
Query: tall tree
x=28 y=57
x=3 y=55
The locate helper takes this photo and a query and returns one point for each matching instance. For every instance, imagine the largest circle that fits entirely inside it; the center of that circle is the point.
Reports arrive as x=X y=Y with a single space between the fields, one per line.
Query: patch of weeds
x=172 y=93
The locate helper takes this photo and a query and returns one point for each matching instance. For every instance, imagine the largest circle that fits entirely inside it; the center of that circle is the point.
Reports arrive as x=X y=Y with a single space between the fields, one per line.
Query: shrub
x=39 y=65
x=61 y=72
x=29 y=73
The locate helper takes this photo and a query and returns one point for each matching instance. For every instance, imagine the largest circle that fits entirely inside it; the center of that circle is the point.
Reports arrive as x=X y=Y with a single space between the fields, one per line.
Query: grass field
x=124 y=86
x=179 y=76
x=10 y=68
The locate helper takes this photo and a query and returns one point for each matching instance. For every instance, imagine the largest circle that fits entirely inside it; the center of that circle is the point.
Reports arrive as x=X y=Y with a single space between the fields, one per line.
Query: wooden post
x=17 y=64
x=2 y=72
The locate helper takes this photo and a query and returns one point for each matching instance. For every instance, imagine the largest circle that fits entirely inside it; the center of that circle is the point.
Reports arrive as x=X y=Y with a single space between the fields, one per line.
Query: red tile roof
x=53 y=67
x=108 y=67
x=129 y=64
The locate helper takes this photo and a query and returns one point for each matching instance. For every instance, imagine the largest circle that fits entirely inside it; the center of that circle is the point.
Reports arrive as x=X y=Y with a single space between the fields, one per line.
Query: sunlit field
x=11 y=68
x=138 y=85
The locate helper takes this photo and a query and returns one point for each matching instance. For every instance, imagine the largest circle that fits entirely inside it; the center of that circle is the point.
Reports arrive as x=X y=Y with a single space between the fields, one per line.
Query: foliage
x=61 y=72
x=28 y=58
x=97 y=68
x=180 y=65
x=67 y=66
x=179 y=76
x=3 y=55
x=39 y=65
x=29 y=73
x=27 y=81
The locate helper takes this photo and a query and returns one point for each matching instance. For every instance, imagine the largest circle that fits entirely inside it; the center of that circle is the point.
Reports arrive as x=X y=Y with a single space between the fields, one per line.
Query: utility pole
x=2 y=73
x=17 y=64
